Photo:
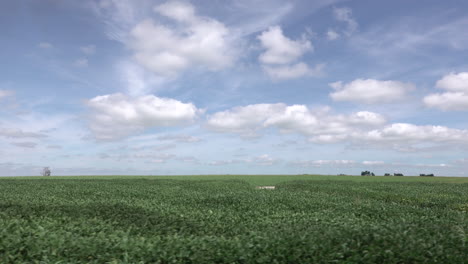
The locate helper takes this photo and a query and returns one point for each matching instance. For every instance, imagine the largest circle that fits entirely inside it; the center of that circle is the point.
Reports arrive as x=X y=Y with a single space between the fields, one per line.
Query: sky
x=233 y=87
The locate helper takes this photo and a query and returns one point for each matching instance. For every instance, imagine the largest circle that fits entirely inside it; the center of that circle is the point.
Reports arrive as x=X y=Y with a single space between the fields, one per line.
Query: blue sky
x=207 y=87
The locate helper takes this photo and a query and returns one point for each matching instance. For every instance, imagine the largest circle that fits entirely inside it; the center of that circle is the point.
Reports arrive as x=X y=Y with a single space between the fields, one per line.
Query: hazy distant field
x=224 y=219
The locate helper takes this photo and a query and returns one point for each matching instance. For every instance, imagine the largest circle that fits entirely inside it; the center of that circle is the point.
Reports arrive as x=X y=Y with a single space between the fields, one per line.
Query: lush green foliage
x=154 y=220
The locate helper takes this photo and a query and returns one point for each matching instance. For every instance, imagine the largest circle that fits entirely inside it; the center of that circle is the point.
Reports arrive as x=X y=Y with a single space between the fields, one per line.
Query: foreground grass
x=223 y=219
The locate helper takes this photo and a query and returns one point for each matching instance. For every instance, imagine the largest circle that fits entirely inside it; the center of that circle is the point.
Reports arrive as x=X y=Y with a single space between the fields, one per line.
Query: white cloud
x=116 y=115
x=370 y=91
x=323 y=127
x=293 y=71
x=364 y=129
x=45 y=45
x=332 y=34
x=88 y=50
x=191 y=41
x=449 y=101
x=280 y=49
x=456 y=97
x=407 y=134
x=345 y=14
x=177 y=10
x=373 y=162
x=245 y=120
x=281 y=57
x=318 y=126
x=454 y=82
x=83 y=62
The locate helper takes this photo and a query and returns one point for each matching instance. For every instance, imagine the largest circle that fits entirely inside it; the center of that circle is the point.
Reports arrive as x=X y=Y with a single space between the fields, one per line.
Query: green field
x=224 y=219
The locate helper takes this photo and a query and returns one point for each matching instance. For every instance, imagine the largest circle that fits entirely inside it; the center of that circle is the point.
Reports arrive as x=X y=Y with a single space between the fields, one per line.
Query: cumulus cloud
x=454 y=82
x=279 y=48
x=364 y=129
x=370 y=91
x=408 y=133
x=244 y=120
x=448 y=101
x=280 y=60
x=316 y=125
x=116 y=115
x=189 y=41
x=456 y=95
x=345 y=14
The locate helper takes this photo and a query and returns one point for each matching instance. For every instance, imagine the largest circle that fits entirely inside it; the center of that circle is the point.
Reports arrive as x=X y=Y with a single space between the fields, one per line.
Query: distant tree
x=398 y=174
x=45 y=171
x=427 y=175
x=367 y=173
x=387 y=174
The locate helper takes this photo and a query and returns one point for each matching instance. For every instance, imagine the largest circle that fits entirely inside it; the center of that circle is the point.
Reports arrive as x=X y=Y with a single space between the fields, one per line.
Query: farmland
x=224 y=219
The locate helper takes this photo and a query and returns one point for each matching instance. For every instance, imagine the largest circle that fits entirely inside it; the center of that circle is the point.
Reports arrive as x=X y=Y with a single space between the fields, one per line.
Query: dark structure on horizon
x=427 y=175
x=387 y=174
x=367 y=173
x=398 y=174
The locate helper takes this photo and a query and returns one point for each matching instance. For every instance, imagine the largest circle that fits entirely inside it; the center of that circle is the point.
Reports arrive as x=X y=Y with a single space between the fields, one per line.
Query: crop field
x=225 y=219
